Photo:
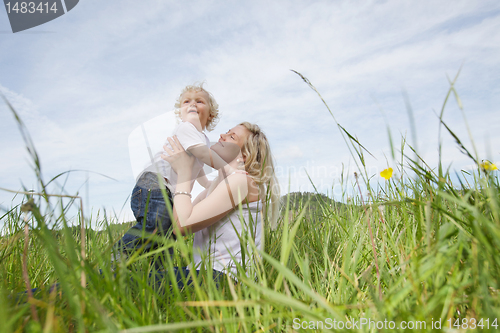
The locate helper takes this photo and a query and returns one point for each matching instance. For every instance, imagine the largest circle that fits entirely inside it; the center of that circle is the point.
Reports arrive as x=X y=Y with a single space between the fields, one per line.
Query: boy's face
x=195 y=108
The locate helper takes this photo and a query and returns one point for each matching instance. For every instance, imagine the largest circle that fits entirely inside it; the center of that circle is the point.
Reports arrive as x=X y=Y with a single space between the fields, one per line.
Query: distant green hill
x=318 y=204
x=299 y=199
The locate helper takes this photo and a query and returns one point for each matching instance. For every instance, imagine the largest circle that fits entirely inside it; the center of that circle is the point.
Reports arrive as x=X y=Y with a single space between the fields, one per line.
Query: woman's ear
x=241 y=158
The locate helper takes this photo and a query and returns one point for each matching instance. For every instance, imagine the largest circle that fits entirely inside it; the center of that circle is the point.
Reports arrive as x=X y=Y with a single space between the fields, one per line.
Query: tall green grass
x=422 y=249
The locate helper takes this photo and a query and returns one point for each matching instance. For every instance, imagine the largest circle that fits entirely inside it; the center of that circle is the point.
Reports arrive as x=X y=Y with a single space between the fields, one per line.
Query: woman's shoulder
x=237 y=177
x=242 y=177
x=241 y=172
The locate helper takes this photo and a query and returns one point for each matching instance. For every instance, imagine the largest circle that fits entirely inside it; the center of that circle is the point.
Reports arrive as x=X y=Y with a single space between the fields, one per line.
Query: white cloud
x=291 y=152
x=83 y=89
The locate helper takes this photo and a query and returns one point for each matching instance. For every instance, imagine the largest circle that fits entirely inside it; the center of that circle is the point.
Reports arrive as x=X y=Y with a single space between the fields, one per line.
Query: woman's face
x=237 y=135
x=230 y=143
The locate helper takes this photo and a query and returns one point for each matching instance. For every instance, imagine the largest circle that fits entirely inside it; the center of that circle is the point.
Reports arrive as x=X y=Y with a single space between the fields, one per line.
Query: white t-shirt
x=220 y=243
x=189 y=137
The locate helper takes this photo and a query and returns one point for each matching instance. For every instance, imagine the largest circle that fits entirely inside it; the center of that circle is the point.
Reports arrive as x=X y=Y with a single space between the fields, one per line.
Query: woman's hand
x=178 y=158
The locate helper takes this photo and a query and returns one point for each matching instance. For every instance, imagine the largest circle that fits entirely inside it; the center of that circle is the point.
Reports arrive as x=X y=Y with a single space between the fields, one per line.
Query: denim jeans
x=182 y=277
x=151 y=215
x=158 y=280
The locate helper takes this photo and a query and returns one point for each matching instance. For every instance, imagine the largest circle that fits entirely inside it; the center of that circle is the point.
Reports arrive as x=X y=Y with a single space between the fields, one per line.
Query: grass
x=422 y=251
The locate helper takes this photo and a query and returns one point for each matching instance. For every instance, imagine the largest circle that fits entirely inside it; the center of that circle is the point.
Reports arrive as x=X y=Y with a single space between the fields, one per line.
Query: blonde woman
x=243 y=196
x=233 y=205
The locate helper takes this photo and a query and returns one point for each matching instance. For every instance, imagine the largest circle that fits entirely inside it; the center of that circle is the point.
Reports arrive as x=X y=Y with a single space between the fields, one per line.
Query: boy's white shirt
x=189 y=137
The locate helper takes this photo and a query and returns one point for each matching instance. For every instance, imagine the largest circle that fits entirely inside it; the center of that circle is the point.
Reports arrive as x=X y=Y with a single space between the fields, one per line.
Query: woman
x=245 y=185
x=229 y=208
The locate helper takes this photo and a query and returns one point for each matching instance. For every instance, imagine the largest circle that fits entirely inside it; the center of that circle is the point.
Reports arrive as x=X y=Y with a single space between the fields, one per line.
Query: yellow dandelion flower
x=488 y=166
x=386 y=174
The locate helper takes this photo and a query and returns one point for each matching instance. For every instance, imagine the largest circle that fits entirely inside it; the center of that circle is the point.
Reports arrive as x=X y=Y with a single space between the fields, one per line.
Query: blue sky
x=83 y=82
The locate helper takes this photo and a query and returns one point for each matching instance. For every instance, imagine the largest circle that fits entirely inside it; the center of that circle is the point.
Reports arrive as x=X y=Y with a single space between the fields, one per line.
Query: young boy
x=198 y=111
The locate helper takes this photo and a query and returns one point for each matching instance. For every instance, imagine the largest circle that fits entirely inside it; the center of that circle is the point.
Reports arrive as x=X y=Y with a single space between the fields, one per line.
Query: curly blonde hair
x=213 y=118
x=260 y=166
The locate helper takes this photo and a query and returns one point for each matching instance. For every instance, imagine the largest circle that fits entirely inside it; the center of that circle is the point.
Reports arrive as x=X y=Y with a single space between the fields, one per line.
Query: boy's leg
x=150 y=212
x=158 y=219
x=161 y=279
x=132 y=238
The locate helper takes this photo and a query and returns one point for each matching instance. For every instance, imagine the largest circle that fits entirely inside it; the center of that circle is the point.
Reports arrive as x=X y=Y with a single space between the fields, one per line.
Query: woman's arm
x=200 y=196
x=191 y=218
x=226 y=195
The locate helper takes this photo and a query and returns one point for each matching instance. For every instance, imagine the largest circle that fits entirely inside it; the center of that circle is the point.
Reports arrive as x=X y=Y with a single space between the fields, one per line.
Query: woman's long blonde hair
x=260 y=166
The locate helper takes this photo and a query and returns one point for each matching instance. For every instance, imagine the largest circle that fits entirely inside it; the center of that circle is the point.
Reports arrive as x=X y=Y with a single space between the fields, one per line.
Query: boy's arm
x=203 y=180
x=202 y=152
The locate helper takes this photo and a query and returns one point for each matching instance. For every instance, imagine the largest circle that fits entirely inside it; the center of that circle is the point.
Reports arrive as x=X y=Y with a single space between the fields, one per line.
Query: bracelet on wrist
x=181 y=192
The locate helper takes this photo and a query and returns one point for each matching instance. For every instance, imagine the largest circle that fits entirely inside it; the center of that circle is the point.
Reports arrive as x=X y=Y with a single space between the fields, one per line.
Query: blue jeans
x=151 y=214
x=182 y=277
x=158 y=280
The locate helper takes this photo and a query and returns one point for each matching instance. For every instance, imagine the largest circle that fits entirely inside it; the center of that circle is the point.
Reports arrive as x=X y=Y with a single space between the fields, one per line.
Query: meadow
x=419 y=254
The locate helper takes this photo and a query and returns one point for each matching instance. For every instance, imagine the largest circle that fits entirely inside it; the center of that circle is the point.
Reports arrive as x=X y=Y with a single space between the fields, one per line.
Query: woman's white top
x=220 y=243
